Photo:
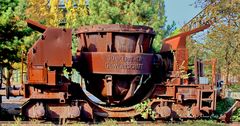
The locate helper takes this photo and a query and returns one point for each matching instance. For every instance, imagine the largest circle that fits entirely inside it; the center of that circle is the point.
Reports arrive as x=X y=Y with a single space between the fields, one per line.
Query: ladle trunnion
x=118 y=70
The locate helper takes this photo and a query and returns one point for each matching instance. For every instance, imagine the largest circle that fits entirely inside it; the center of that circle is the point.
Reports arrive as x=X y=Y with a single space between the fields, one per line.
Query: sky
x=180 y=11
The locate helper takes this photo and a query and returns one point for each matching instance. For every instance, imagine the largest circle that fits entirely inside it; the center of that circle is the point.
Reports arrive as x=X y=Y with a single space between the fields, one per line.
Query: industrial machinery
x=117 y=66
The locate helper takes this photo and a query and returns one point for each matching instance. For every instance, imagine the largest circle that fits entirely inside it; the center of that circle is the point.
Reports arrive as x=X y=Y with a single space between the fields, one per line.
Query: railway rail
x=13 y=107
x=111 y=122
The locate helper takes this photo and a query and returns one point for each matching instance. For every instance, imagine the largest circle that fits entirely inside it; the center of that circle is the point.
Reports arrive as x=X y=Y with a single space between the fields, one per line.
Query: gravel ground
x=12 y=105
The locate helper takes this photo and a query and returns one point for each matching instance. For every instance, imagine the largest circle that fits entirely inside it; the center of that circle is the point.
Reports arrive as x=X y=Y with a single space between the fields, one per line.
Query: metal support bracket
x=109 y=84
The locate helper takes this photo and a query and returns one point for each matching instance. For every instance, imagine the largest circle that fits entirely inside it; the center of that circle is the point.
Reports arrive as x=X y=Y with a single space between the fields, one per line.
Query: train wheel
x=86 y=113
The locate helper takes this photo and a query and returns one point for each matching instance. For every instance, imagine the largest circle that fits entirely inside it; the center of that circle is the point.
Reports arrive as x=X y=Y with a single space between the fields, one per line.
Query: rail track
x=13 y=108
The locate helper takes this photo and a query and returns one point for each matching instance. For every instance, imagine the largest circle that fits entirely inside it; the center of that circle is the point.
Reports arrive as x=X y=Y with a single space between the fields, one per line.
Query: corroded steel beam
x=179 y=40
x=36 y=26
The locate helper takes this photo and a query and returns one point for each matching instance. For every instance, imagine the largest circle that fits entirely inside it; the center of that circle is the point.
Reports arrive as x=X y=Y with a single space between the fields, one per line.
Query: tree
x=75 y=13
x=44 y=11
x=12 y=32
x=171 y=30
x=83 y=12
x=223 y=43
x=223 y=40
x=134 y=12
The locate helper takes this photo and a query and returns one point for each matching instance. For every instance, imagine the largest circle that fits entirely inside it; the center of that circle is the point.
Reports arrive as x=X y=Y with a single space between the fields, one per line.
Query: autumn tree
x=44 y=11
x=223 y=40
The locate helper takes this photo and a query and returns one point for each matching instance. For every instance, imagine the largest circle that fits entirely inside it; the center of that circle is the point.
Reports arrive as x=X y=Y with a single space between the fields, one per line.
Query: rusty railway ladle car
x=117 y=66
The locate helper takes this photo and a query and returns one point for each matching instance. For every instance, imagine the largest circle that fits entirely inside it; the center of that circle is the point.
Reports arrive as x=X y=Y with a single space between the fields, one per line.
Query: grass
x=185 y=123
x=234 y=87
x=112 y=122
x=108 y=122
x=236 y=115
x=198 y=123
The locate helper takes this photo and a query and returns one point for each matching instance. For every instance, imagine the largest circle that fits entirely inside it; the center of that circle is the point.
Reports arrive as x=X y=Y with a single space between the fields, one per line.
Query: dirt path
x=12 y=105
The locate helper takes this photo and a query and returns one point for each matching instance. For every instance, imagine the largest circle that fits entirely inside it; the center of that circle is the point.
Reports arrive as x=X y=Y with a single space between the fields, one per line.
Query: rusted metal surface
x=52 y=49
x=41 y=109
x=115 y=28
x=120 y=51
x=115 y=38
x=118 y=63
x=186 y=92
x=37 y=74
x=107 y=112
x=36 y=111
x=57 y=111
x=179 y=41
x=177 y=44
x=132 y=88
x=36 y=26
x=161 y=108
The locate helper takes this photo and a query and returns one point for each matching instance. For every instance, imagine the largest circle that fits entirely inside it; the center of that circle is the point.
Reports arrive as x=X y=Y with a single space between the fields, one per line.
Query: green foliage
x=134 y=12
x=13 y=31
x=75 y=13
x=175 y=32
x=145 y=109
x=234 y=87
x=74 y=44
x=79 y=13
x=223 y=105
x=171 y=30
x=236 y=115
